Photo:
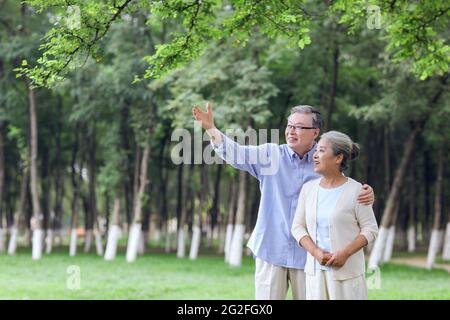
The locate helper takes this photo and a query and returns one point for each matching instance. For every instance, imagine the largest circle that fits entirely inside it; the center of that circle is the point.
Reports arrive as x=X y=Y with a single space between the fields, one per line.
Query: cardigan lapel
x=336 y=208
x=315 y=190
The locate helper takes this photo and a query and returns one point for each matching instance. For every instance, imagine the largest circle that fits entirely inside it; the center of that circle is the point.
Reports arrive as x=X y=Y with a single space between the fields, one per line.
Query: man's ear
x=316 y=134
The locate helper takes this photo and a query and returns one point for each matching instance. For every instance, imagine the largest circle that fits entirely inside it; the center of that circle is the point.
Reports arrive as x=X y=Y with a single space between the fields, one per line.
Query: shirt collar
x=308 y=156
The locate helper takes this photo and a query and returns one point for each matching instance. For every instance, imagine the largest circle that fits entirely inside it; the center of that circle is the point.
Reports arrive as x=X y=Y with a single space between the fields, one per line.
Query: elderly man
x=279 y=259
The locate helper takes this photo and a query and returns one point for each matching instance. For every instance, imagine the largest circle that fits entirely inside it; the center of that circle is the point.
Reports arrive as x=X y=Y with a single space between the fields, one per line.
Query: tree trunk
x=214 y=212
x=135 y=230
x=231 y=218
x=113 y=231
x=446 y=250
x=436 y=234
x=146 y=220
x=45 y=179
x=137 y=165
x=183 y=197
x=197 y=223
x=387 y=162
x=196 y=238
x=162 y=200
x=389 y=247
x=427 y=198
x=168 y=238
x=2 y=180
x=2 y=239
x=411 y=229
x=126 y=137
x=180 y=219
x=59 y=183
x=76 y=195
x=237 y=241
x=36 y=225
x=169 y=224
x=98 y=239
x=389 y=210
x=402 y=225
x=91 y=213
x=14 y=232
x=332 y=104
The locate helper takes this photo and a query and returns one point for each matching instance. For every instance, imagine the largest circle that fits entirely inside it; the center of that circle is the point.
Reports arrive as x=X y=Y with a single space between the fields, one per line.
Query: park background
x=92 y=205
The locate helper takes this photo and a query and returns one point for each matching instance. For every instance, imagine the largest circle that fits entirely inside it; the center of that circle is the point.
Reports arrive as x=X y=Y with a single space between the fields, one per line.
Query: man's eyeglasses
x=298 y=128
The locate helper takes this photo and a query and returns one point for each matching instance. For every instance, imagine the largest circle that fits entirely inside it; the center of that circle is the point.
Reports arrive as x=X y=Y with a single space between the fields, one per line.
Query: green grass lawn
x=163 y=276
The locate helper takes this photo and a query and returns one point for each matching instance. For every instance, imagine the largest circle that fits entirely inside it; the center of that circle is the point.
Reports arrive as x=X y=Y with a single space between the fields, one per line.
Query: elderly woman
x=332 y=226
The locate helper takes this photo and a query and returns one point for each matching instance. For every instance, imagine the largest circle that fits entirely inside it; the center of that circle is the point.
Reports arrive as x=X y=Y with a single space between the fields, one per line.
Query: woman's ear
x=339 y=158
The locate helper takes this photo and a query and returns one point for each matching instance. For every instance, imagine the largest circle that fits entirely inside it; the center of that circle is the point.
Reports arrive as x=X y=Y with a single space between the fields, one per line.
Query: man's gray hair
x=305 y=109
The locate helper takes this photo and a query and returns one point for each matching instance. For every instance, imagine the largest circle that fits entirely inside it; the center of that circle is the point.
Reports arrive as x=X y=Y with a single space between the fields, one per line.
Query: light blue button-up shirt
x=281 y=174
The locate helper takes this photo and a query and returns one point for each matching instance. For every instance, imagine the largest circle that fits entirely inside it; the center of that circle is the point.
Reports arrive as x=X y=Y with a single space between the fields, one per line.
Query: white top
x=326 y=202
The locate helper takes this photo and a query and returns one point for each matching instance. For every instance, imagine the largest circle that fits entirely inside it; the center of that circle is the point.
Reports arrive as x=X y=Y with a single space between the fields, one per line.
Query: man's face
x=300 y=139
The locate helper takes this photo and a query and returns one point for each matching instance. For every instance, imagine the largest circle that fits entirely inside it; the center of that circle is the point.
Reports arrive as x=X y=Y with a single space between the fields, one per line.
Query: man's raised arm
x=257 y=160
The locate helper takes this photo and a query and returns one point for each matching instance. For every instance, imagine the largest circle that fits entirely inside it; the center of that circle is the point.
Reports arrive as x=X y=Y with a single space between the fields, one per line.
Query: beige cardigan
x=348 y=219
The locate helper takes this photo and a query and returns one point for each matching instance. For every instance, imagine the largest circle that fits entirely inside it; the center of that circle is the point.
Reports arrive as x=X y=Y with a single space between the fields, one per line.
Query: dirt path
x=420 y=262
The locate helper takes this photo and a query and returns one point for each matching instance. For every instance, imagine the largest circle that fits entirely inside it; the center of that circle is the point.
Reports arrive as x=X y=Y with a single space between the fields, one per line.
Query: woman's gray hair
x=305 y=109
x=342 y=144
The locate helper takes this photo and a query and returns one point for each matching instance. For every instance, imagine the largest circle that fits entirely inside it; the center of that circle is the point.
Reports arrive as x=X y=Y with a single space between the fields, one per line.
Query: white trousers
x=321 y=286
x=272 y=282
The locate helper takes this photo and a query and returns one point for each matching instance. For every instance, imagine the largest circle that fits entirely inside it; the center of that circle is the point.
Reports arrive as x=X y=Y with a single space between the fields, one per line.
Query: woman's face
x=324 y=159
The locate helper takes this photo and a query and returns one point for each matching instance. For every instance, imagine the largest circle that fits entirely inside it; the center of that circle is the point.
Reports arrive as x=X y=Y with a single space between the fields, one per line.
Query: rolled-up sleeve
x=367 y=222
x=298 y=228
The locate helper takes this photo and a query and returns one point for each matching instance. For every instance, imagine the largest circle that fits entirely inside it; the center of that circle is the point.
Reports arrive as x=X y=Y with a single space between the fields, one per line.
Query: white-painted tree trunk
x=38 y=241
x=58 y=236
x=209 y=236
x=133 y=242
x=195 y=244
x=111 y=245
x=12 y=245
x=181 y=246
x=221 y=249
x=73 y=243
x=236 y=247
x=216 y=232
x=378 y=249
x=88 y=240
x=411 y=239
x=433 y=249
x=28 y=237
x=228 y=237
x=173 y=242
x=142 y=242
x=157 y=236
x=49 y=241
x=389 y=247
x=2 y=240
x=446 y=250
x=168 y=242
x=98 y=243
